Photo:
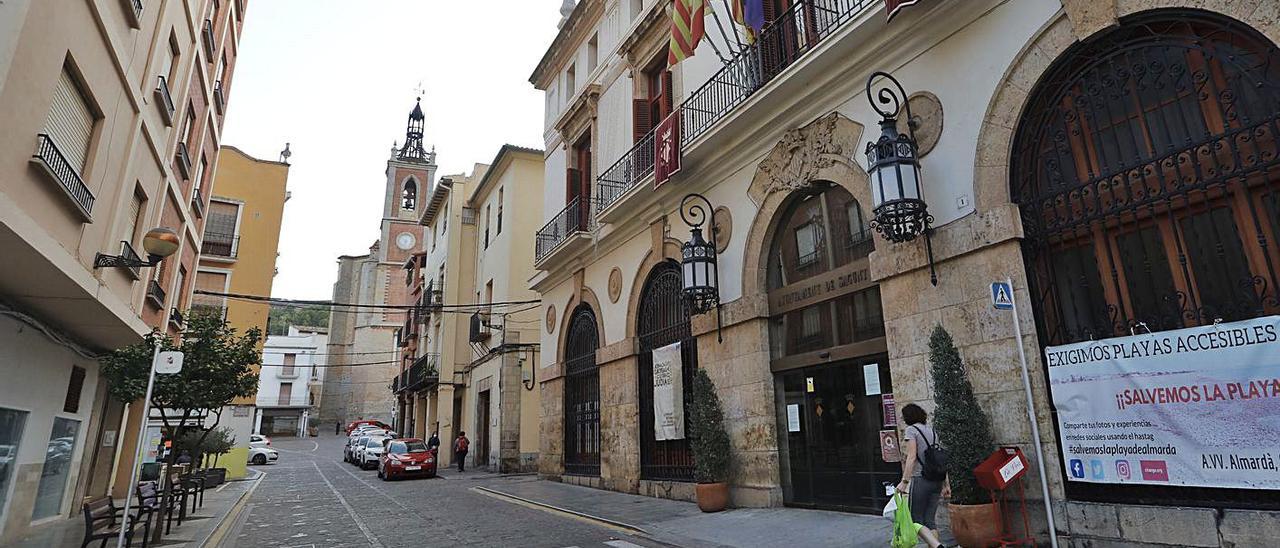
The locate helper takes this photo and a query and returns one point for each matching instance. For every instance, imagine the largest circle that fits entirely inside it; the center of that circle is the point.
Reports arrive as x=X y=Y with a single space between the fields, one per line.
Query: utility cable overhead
x=331 y=304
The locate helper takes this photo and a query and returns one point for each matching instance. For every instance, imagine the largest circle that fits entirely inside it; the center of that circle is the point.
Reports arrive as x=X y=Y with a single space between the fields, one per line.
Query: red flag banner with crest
x=666 y=149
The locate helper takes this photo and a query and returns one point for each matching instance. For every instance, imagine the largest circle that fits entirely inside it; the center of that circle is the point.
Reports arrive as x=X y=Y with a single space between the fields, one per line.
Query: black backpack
x=933 y=463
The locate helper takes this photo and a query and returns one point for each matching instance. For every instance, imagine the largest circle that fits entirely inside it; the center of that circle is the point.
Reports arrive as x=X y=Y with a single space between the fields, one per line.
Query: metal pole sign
x=168 y=363
x=1002 y=299
x=156 y=357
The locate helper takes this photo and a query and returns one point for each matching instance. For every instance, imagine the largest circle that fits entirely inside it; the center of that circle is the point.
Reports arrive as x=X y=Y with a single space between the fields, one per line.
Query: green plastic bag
x=905 y=532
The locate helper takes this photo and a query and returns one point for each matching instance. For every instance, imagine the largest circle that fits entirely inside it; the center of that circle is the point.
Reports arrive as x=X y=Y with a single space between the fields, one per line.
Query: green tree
x=708 y=438
x=217 y=368
x=284 y=315
x=961 y=424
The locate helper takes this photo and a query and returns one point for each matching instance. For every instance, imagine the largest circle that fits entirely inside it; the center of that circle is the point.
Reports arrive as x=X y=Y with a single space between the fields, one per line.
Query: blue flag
x=753 y=12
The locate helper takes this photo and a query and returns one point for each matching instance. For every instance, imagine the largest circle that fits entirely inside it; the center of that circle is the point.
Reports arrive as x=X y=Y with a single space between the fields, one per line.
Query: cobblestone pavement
x=312 y=499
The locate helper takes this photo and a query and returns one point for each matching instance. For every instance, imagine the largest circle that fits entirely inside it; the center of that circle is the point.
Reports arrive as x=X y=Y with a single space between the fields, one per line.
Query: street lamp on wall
x=893 y=166
x=158 y=243
x=698 y=266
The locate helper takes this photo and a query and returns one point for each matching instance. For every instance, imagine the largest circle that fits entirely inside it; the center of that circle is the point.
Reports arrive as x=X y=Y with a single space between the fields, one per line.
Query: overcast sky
x=337 y=79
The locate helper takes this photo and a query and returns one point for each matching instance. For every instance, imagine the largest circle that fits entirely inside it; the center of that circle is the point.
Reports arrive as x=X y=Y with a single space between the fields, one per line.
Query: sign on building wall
x=666 y=149
x=1191 y=407
x=668 y=393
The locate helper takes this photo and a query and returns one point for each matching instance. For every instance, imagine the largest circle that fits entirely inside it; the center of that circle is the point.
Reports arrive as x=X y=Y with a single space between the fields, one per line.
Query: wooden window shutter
x=74 y=387
x=641 y=119
x=573 y=180
x=668 y=97
x=70 y=123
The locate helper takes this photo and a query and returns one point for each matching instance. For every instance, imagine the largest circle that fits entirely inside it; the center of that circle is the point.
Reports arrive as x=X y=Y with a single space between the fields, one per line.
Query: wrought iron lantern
x=158 y=243
x=893 y=166
x=700 y=273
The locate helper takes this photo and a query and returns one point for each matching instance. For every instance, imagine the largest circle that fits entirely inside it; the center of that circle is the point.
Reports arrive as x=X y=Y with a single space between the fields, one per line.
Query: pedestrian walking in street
x=337 y=427
x=433 y=444
x=921 y=481
x=460 y=447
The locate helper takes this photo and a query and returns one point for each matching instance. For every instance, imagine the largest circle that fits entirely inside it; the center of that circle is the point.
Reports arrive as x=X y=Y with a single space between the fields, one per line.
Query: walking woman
x=922 y=493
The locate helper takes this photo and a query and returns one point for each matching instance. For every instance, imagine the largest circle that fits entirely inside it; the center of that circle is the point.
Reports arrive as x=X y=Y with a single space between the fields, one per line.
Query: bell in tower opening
x=413 y=135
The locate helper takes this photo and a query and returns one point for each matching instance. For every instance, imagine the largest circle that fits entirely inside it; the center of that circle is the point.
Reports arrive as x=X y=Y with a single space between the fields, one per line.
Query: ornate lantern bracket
x=699 y=269
x=893 y=167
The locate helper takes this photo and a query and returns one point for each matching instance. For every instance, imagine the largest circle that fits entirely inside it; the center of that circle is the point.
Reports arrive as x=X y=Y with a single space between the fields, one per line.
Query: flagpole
x=716 y=15
x=737 y=36
x=723 y=61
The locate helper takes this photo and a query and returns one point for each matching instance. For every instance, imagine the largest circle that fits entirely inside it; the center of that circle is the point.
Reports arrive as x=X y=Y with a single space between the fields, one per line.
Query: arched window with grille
x=663 y=320
x=1147 y=171
x=582 y=395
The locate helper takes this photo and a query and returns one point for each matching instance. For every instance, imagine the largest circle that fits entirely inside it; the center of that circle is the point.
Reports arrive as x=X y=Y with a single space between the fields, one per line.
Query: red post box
x=1002 y=468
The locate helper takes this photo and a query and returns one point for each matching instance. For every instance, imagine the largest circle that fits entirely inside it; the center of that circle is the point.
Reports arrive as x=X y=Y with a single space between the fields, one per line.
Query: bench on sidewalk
x=102 y=521
x=152 y=497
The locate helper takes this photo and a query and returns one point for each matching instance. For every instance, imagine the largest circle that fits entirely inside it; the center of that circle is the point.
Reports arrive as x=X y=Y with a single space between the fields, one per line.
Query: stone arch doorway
x=1146 y=168
x=662 y=320
x=828 y=352
x=582 y=394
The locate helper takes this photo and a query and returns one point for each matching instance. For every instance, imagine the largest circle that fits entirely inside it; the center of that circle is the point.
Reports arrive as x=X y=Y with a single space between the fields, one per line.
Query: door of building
x=482 y=430
x=833 y=436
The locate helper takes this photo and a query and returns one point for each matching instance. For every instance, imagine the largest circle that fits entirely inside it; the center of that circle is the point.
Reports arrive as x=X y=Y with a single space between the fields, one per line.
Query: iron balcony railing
x=176 y=318
x=576 y=217
x=780 y=45
x=423 y=372
x=184 y=160
x=164 y=100
x=51 y=159
x=155 y=293
x=208 y=38
x=219 y=100
x=127 y=251
x=197 y=201
x=217 y=244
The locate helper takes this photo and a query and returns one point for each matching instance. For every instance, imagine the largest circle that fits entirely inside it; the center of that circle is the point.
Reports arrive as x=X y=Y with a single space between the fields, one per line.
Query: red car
x=406 y=457
x=373 y=422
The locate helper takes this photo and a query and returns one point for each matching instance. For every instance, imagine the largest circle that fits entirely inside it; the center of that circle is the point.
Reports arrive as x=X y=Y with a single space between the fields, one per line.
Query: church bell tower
x=411 y=172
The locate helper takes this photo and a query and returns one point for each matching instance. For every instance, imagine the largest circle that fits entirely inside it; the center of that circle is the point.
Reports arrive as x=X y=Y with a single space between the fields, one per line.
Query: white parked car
x=372 y=451
x=262 y=455
x=259 y=440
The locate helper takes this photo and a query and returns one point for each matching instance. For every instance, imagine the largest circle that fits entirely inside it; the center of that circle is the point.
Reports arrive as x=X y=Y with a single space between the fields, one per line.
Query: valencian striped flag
x=686 y=29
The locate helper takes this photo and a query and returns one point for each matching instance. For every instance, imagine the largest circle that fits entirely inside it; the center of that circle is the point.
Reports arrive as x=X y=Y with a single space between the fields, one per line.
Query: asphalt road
x=311 y=499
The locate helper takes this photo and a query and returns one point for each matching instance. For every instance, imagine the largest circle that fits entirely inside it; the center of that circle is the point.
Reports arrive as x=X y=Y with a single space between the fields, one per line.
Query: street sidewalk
x=681 y=523
x=220 y=503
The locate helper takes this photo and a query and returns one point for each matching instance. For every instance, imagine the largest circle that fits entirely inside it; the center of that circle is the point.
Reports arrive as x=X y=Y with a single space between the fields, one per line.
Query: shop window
x=12 y=423
x=56 y=471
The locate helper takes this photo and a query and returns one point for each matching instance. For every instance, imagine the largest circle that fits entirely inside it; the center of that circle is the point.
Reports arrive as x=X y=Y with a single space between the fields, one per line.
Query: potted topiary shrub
x=963 y=430
x=710 y=444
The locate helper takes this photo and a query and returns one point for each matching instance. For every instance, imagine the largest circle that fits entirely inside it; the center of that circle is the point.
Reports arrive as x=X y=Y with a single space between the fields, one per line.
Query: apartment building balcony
x=133 y=12
x=782 y=45
x=219 y=99
x=424 y=372
x=207 y=38
x=55 y=165
x=176 y=319
x=164 y=101
x=197 y=202
x=568 y=232
x=183 y=159
x=127 y=251
x=278 y=401
x=155 y=293
x=220 y=246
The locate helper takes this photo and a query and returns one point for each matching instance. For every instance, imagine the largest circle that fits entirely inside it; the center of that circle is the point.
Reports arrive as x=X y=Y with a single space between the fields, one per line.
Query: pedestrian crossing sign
x=1002 y=296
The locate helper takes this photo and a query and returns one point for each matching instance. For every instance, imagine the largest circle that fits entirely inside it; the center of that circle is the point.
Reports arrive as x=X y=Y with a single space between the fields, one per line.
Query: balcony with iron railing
x=164 y=101
x=67 y=176
x=779 y=46
x=423 y=373
x=219 y=99
x=220 y=246
x=183 y=159
x=155 y=293
x=176 y=319
x=207 y=33
x=567 y=230
x=127 y=251
x=133 y=12
x=284 y=400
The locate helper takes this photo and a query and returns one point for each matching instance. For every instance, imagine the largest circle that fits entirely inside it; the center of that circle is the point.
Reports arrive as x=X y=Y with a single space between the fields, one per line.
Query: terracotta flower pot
x=712 y=497
x=975 y=525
